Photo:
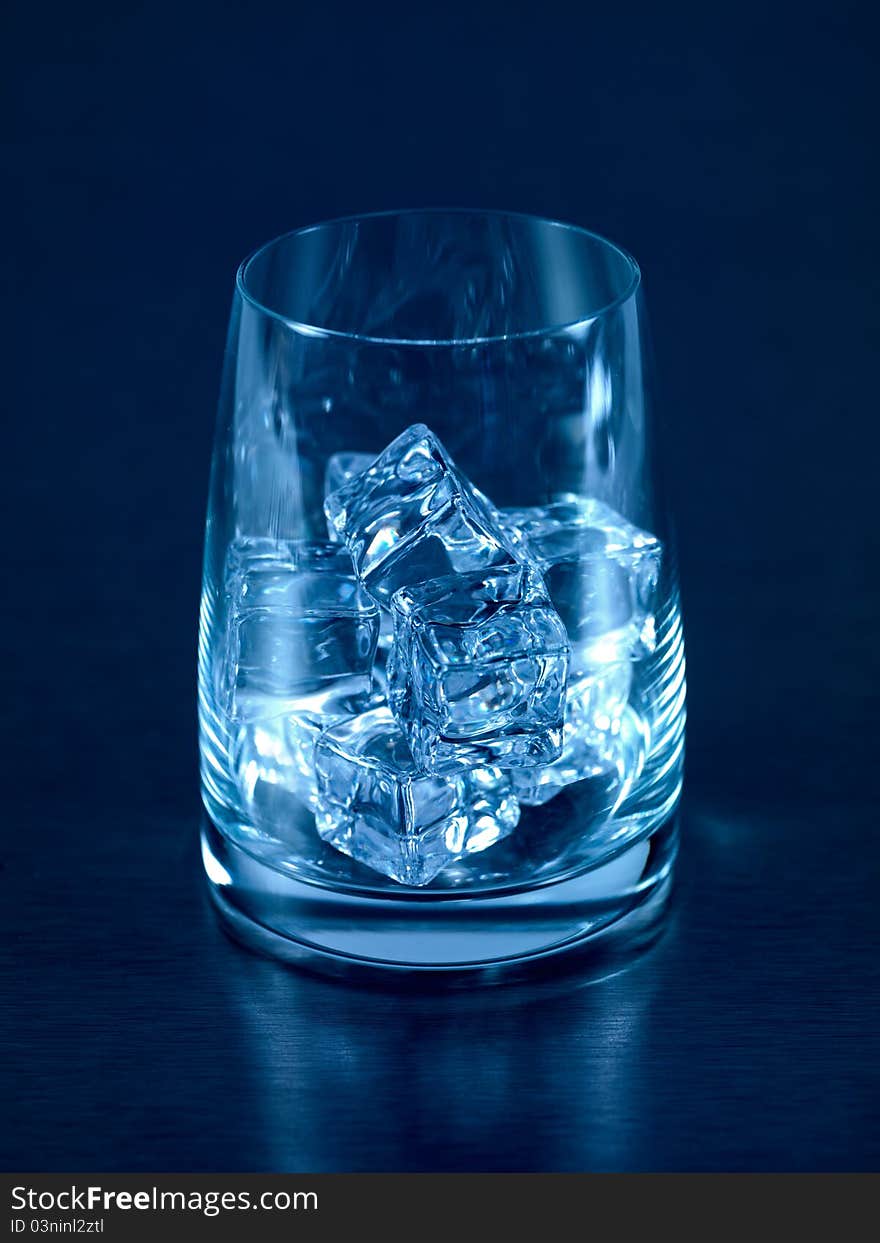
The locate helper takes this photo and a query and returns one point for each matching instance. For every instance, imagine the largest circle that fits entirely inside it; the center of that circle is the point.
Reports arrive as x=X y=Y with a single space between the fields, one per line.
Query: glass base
x=617 y=904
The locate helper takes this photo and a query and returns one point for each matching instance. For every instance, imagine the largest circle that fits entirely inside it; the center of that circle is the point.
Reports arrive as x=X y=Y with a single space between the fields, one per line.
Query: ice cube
x=279 y=753
x=377 y=806
x=580 y=761
x=595 y=703
x=302 y=629
x=591 y=747
x=601 y=573
x=413 y=516
x=341 y=469
x=386 y=630
x=477 y=673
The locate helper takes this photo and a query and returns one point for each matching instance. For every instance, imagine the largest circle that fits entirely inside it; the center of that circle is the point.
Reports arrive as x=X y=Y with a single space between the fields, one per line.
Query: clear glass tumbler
x=441 y=667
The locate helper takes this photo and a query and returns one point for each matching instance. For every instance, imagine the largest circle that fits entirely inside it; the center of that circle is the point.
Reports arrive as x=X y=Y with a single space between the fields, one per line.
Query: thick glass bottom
x=342 y=931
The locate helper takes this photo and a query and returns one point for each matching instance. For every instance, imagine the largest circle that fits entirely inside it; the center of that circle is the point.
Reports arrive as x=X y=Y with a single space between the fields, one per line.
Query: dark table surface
x=144 y=156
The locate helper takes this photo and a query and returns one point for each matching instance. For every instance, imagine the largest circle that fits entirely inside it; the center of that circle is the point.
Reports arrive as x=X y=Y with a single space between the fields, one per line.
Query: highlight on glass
x=441 y=666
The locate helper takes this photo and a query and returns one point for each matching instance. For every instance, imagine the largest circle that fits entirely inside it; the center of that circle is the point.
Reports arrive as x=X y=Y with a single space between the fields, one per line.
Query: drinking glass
x=421 y=408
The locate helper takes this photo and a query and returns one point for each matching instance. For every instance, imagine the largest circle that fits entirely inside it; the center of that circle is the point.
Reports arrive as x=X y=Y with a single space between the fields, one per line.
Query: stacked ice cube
x=439 y=662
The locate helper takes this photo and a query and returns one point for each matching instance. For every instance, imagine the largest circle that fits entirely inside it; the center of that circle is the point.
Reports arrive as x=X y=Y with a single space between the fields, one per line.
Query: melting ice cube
x=477 y=673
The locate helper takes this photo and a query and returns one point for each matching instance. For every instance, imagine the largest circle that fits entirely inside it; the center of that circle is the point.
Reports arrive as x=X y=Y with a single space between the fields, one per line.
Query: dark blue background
x=145 y=152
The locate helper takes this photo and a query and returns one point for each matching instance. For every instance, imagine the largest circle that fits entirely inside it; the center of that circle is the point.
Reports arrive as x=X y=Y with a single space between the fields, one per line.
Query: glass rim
x=316 y=330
